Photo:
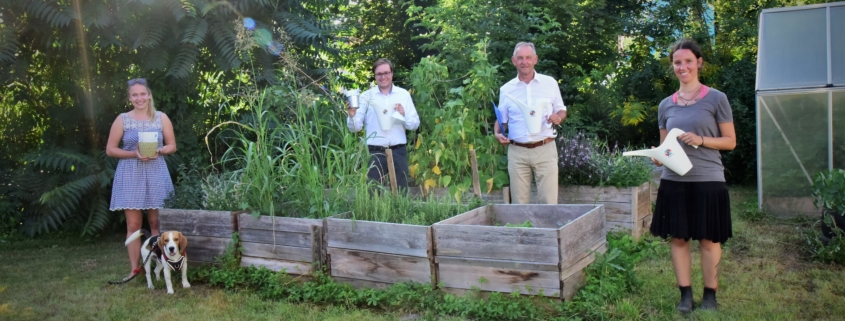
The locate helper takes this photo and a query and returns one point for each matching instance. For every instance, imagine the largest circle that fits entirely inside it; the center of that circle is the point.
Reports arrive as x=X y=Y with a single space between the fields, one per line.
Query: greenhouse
x=800 y=103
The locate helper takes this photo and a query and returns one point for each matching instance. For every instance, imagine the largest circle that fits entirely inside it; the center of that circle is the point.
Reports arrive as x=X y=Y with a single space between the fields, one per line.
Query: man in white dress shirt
x=385 y=98
x=530 y=156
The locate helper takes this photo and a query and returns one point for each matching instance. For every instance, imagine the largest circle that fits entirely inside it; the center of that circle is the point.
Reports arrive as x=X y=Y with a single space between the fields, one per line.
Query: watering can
x=670 y=153
x=534 y=115
x=385 y=114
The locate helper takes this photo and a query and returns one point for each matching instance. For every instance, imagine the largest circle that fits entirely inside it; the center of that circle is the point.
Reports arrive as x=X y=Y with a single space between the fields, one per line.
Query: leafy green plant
x=404 y=209
x=829 y=190
x=586 y=160
x=187 y=191
x=821 y=249
x=527 y=223
x=749 y=211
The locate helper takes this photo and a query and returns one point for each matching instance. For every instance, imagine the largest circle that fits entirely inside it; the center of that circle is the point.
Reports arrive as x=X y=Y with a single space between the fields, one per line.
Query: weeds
x=584 y=160
x=404 y=209
x=749 y=211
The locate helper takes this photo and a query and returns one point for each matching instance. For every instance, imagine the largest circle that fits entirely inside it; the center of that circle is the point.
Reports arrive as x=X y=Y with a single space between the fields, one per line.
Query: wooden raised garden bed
x=281 y=243
x=377 y=254
x=477 y=250
x=208 y=232
x=625 y=208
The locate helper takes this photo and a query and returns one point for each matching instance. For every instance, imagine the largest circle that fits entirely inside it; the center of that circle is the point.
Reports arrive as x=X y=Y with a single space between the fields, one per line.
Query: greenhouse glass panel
x=793 y=148
x=837 y=43
x=839 y=129
x=793 y=49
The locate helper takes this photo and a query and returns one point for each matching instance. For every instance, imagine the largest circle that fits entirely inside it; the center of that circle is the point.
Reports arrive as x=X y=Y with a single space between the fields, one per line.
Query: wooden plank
x=379 y=267
x=317 y=245
x=590 y=195
x=506 y=194
x=642 y=227
x=578 y=236
x=430 y=254
x=477 y=216
x=205 y=249
x=643 y=203
x=389 y=238
x=497 y=242
x=197 y=222
x=277 y=237
x=287 y=224
x=506 y=280
x=571 y=285
x=290 y=267
x=361 y=284
x=391 y=170
x=499 y=264
x=279 y=252
x=476 y=185
x=581 y=264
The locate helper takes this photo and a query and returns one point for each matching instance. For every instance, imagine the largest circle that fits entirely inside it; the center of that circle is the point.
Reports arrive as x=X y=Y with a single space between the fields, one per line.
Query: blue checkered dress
x=140 y=185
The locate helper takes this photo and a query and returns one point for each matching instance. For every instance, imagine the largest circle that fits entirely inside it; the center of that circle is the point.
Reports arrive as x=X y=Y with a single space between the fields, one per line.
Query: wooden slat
x=499 y=264
x=280 y=252
x=317 y=245
x=298 y=268
x=197 y=222
x=476 y=185
x=590 y=195
x=205 y=249
x=578 y=236
x=277 y=238
x=581 y=264
x=288 y=224
x=477 y=216
x=643 y=202
x=361 y=284
x=379 y=267
x=497 y=242
x=513 y=279
x=642 y=227
x=571 y=285
x=389 y=238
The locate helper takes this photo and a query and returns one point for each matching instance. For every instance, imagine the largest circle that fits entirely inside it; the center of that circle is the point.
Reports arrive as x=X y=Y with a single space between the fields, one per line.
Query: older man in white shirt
x=530 y=155
x=385 y=99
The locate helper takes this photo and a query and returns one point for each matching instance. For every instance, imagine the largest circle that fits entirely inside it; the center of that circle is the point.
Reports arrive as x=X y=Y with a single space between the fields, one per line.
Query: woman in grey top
x=695 y=206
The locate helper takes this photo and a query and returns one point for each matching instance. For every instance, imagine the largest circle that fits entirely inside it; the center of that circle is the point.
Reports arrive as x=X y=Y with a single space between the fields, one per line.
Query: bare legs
x=134 y=220
x=711 y=255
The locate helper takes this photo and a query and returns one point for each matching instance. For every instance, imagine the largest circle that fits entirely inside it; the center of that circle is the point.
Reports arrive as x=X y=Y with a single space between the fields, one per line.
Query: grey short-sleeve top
x=702 y=118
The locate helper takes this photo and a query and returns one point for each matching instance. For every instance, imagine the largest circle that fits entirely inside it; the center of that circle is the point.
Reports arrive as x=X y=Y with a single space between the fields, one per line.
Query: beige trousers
x=527 y=164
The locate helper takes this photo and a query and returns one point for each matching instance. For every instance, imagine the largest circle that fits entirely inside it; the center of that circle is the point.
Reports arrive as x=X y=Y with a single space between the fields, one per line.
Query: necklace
x=693 y=98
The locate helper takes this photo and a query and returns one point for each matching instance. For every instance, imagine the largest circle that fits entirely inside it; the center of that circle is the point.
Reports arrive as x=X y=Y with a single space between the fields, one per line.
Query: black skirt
x=692 y=210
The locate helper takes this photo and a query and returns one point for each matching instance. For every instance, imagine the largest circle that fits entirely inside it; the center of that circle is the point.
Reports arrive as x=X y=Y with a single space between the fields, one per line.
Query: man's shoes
x=709 y=301
x=685 y=306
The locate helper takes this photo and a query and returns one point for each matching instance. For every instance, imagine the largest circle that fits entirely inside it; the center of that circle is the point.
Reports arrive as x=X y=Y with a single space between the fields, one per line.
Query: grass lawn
x=764 y=276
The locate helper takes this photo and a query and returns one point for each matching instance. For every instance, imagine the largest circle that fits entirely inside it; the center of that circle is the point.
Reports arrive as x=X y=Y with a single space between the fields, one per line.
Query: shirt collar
x=532 y=79
x=378 y=90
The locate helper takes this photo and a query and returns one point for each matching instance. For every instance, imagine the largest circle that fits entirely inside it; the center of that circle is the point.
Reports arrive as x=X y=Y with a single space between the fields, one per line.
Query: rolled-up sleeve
x=412 y=118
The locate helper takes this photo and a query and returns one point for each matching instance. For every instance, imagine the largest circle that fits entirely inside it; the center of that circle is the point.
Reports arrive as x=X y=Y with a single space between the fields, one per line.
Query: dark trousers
x=378 y=165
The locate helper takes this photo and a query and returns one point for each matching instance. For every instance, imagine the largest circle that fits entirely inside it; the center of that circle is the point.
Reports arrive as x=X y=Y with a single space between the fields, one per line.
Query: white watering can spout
x=534 y=115
x=670 y=153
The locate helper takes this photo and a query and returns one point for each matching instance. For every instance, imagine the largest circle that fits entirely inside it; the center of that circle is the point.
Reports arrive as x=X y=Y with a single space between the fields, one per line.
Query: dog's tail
x=139 y=234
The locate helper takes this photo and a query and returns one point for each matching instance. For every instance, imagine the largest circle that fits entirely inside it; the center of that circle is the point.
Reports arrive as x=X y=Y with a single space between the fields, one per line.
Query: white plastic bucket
x=147 y=143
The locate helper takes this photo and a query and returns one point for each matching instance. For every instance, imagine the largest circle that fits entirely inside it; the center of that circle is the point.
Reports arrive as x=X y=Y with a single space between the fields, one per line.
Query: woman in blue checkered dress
x=140 y=183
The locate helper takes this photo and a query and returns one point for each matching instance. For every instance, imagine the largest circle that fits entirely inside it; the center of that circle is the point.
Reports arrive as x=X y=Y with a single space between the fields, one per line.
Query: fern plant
x=60 y=186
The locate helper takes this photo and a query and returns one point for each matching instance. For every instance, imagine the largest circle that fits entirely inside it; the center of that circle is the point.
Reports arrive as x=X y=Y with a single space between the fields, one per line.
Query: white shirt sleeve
x=412 y=119
x=356 y=123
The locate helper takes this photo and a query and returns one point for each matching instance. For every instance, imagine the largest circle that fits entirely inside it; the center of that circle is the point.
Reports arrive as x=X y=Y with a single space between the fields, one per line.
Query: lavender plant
x=586 y=160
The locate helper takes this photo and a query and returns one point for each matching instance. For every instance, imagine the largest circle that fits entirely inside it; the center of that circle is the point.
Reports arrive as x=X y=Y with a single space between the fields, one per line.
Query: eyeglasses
x=383 y=74
x=136 y=81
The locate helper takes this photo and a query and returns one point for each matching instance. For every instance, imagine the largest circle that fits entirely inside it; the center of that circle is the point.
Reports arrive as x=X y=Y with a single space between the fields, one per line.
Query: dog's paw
x=169 y=291
x=151 y=287
x=186 y=285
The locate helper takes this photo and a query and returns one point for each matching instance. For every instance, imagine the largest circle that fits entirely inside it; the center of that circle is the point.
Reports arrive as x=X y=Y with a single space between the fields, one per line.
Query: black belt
x=373 y=148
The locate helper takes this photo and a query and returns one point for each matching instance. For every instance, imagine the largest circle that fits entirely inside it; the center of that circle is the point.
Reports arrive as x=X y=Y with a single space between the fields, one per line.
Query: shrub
x=585 y=160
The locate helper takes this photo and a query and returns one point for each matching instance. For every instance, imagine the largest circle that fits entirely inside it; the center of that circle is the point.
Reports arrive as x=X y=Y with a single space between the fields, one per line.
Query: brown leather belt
x=535 y=144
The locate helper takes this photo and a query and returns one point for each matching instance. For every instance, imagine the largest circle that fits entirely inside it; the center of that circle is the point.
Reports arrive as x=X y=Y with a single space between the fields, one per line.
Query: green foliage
x=187 y=192
x=585 y=160
x=829 y=190
x=404 y=209
x=453 y=121
x=527 y=223
x=820 y=248
x=749 y=211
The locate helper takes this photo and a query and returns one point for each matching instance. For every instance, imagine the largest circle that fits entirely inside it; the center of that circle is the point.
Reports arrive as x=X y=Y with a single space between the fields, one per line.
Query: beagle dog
x=169 y=251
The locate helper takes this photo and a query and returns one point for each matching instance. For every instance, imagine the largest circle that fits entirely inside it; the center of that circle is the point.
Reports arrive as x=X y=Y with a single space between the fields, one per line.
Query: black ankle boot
x=685 y=306
x=709 y=301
